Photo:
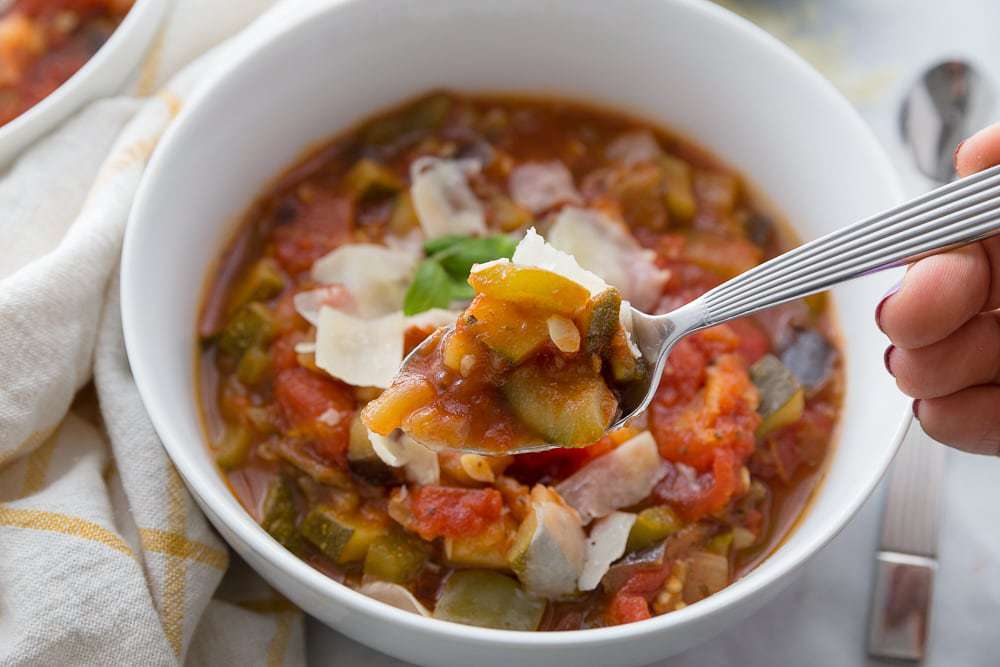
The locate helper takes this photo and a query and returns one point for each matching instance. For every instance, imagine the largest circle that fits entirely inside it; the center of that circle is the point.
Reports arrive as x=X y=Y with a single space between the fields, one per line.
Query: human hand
x=944 y=327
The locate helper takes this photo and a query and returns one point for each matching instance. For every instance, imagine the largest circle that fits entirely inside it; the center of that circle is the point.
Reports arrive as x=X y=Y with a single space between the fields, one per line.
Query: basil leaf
x=432 y=287
x=458 y=258
x=461 y=291
x=434 y=246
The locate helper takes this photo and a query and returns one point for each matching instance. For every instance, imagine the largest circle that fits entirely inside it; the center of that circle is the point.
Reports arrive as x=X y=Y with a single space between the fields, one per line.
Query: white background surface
x=872 y=50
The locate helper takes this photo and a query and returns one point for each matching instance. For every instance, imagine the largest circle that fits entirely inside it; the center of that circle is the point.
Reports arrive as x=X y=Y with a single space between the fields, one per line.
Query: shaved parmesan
x=442 y=198
x=634 y=147
x=393 y=595
x=364 y=353
x=376 y=276
x=539 y=186
x=605 y=545
x=602 y=246
x=534 y=251
x=620 y=478
x=308 y=303
x=418 y=463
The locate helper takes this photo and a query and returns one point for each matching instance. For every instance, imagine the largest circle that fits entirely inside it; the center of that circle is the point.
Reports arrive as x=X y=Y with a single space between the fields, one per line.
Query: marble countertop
x=872 y=50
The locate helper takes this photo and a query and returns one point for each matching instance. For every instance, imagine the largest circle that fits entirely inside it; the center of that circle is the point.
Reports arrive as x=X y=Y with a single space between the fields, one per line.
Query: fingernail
x=916 y=409
x=878 y=309
x=954 y=156
x=887 y=359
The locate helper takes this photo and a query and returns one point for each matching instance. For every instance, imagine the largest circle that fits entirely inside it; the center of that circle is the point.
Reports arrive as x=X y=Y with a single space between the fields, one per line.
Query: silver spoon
x=945 y=105
x=956 y=214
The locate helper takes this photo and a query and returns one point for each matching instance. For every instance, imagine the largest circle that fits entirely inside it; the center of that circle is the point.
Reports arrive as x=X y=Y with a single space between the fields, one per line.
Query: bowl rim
x=255 y=539
x=141 y=12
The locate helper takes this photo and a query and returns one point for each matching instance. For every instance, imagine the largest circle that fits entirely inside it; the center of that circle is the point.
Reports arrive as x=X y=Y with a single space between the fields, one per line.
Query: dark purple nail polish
x=878 y=309
x=916 y=409
x=954 y=156
x=887 y=359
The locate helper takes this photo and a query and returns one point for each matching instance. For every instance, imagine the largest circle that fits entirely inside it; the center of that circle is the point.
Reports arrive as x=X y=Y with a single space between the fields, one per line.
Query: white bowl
x=688 y=65
x=102 y=75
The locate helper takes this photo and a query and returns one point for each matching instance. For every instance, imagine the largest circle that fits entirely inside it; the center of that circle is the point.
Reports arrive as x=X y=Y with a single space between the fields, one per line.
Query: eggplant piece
x=781 y=397
x=605 y=544
x=489 y=600
x=759 y=228
x=810 y=358
x=708 y=573
x=649 y=558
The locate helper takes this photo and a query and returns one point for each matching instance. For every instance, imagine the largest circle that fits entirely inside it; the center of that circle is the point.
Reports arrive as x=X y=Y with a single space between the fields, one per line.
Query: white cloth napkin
x=104 y=557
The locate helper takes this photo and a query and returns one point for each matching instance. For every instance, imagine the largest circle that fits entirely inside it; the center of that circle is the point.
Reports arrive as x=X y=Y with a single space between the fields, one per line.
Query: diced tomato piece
x=317 y=228
x=698 y=496
x=452 y=512
x=283 y=355
x=317 y=407
x=625 y=608
x=683 y=374
x=631 y=602
x=722 y=415
x=754 y=343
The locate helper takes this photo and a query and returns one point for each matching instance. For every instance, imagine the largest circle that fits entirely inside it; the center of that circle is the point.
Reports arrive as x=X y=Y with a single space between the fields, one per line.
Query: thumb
x=979 y=151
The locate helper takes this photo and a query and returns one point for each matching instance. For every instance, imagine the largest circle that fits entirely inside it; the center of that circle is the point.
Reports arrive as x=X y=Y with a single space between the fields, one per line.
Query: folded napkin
x=104 y=557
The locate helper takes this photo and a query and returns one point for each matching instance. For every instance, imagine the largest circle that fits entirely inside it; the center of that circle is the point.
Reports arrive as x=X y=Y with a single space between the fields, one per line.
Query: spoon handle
x=954 y=215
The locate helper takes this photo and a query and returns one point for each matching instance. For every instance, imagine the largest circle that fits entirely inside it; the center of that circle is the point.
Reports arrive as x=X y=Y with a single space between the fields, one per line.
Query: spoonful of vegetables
x=548 y=355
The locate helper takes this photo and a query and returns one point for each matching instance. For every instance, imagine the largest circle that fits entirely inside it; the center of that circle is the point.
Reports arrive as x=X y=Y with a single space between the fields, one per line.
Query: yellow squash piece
x=386 y=413
x=487 y=549
x=529 y=286
x=512 y=331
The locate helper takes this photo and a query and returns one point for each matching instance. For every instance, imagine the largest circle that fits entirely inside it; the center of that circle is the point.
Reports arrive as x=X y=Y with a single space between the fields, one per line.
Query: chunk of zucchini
x=253 y=324
x=234 y=446
x=781 y=397
x=653 y=525
x=279 y=514
x=368 y=179
x=599 y=319
x=678 y=191
x=396 y=557
x=341 y=538
x=253 y=365
x=488 y=599
x=261 y=282
x=569 y=406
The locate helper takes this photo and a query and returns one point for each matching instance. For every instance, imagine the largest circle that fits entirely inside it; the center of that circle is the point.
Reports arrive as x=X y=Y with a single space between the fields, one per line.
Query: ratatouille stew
x=523 y=225
x=44 y=42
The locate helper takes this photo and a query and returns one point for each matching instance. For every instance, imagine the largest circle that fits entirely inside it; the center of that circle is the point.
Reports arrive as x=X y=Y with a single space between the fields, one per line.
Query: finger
x=966 y=358
x=968 y=420
x=979 y=151
x=937 y=296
